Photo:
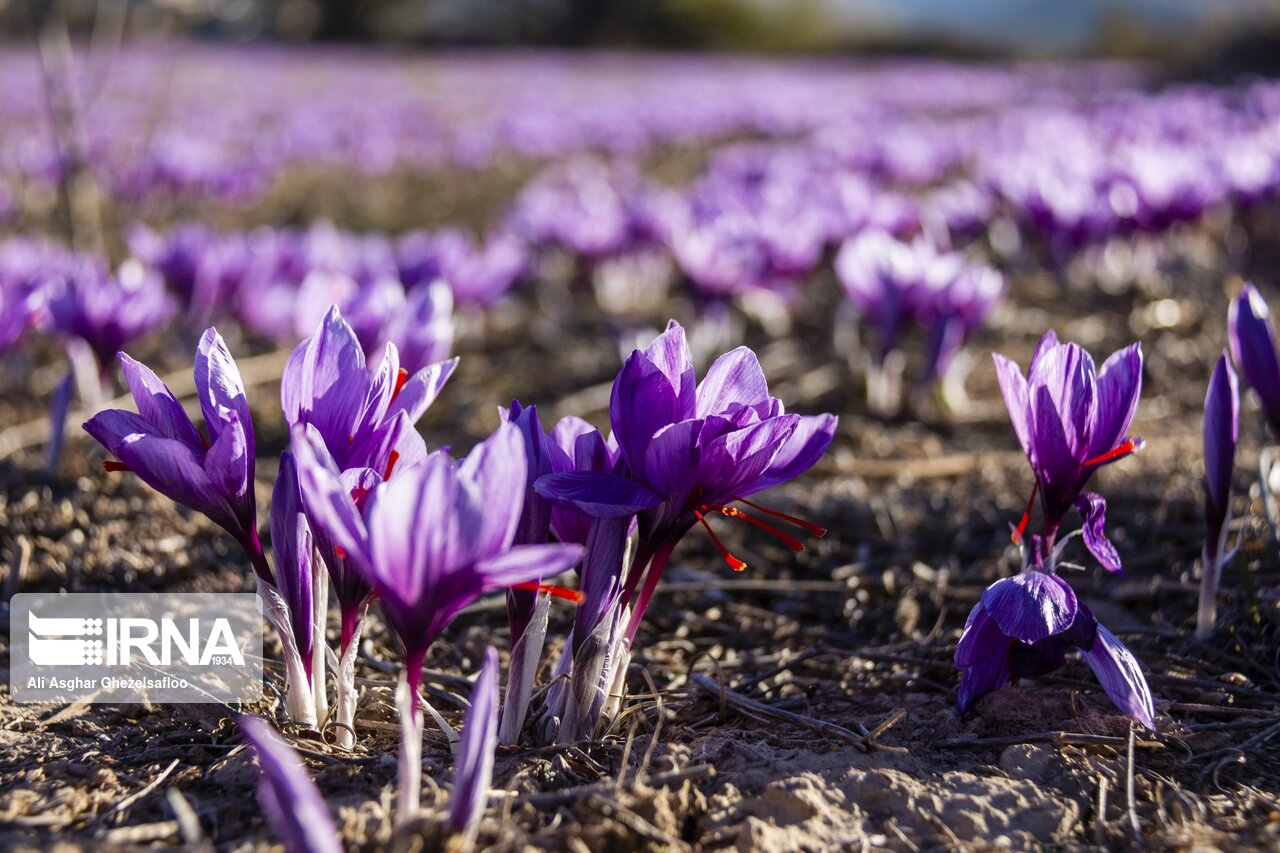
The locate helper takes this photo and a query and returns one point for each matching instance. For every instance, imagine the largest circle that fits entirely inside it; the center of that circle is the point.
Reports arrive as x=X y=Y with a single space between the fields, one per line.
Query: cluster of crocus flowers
x=1071 y=419
x=894 y=284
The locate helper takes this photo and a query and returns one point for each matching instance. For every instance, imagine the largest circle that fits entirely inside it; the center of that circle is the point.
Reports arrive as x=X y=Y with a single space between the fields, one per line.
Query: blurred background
x=1231 y=32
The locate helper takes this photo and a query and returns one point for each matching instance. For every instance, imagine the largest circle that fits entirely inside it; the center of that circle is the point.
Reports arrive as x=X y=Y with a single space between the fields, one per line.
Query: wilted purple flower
x=473 y=771
x=1221 y=432
x=1023 y=628
x=160 y=444
x=688 y=450
x=1253 y=346
x=107 y=311
x=1071 y=420
x=432 y=540
x=288 y=796
x=365 y=419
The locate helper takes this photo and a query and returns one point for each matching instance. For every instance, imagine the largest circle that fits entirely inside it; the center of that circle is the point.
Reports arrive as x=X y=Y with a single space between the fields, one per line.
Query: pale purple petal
x=1119 y=385
x=669 y=352
x=1121 y=677
x=524 y=563
x=220 y=388
x=1067 y=373
x=812 y=437
x=734 y=377
x=157 y=404
x=291 y=549
x=499 y=468
x=477 y=742
x=421 y=390
x=1013 y=387
x=734 y=462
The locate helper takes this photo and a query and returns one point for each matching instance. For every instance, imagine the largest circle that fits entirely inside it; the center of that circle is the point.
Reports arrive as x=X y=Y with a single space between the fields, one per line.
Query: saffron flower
x=1253 y=346
x=363 y=416
x=687 y=451
x=1221 y=432
x=212 y=475
x=432 y=540
x=1070 y=420
x=473 y=772
x=289 y=798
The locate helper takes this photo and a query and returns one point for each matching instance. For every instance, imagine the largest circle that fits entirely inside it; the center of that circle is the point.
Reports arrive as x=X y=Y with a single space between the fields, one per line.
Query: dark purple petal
x=643 y=401
x=597 y=493
x=1121 y=677
x=1093 y=509
x=733 y=462
x=671 y=463
x=289 y=798
x=229 y=465
x=1221 y=432
x=1253 y=345
x=1067 y=373
x=983 y=655
x=1030 y=606
x=477 y=742
x=812 y=437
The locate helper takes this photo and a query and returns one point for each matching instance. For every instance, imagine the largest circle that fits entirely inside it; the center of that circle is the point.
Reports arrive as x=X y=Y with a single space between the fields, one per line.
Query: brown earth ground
x=721 y=741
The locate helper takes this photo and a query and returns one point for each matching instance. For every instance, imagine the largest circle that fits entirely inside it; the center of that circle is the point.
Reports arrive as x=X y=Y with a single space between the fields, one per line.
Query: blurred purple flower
x=108 y=312
x=1253 y=346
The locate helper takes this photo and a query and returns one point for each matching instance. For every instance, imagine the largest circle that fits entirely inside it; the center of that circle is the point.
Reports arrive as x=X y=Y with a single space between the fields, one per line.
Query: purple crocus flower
x=473 y=772
x=160 y=444
x=1253 y=346
x=1071 y=420
x=432 y=540
x=689 y=449
x=1221 y=432
x=423 y=330
x=108 y=312
x=364 y=418
x=1023 y=628
x=288 y=796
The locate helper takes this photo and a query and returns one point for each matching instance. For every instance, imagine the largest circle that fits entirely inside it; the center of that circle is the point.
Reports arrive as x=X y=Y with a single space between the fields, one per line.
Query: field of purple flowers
x=640 y=451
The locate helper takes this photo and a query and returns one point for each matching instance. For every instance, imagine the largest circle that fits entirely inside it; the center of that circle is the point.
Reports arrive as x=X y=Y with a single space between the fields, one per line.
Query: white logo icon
x=63 y=641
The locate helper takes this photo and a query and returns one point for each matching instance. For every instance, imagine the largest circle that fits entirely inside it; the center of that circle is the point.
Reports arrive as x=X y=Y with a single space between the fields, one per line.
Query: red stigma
x=340 y=551
x=561 y=592
x=734 y=563
x=732 y=512
x=401 y=378
x=1026 y=515
x=790 y=519
x=391 y=464
x=1122 y=450
x=112 y=466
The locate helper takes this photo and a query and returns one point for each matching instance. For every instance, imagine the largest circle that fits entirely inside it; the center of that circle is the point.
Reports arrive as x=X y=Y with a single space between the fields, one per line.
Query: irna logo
x=92 y=641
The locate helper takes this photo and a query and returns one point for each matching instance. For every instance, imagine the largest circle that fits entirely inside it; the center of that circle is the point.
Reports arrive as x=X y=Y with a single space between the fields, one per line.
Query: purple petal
x=1121 y=677
x=524 y=563
x=291 y=548
x=733 y=463
x=671 y=462
x=1253 y=345
x=229 y=465
x=1047 y=343
x=983 y=655
x=1013 y=387
x=669 y=352
x=157 y=404
x=1093 y=508
x=477 y=742
x=421 y=390
x=325 y=382
x=1067 y=373
x=1030 y=606
x=289 y=799
x=221 y=390
x=498 y=466
x=597 y=493
x=1119 y=386
x=1221 y=432
x=643 y=401
x=735 y=377
x=801 y=452
x=328 y=502
x=566 y=432
x=112 y=426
